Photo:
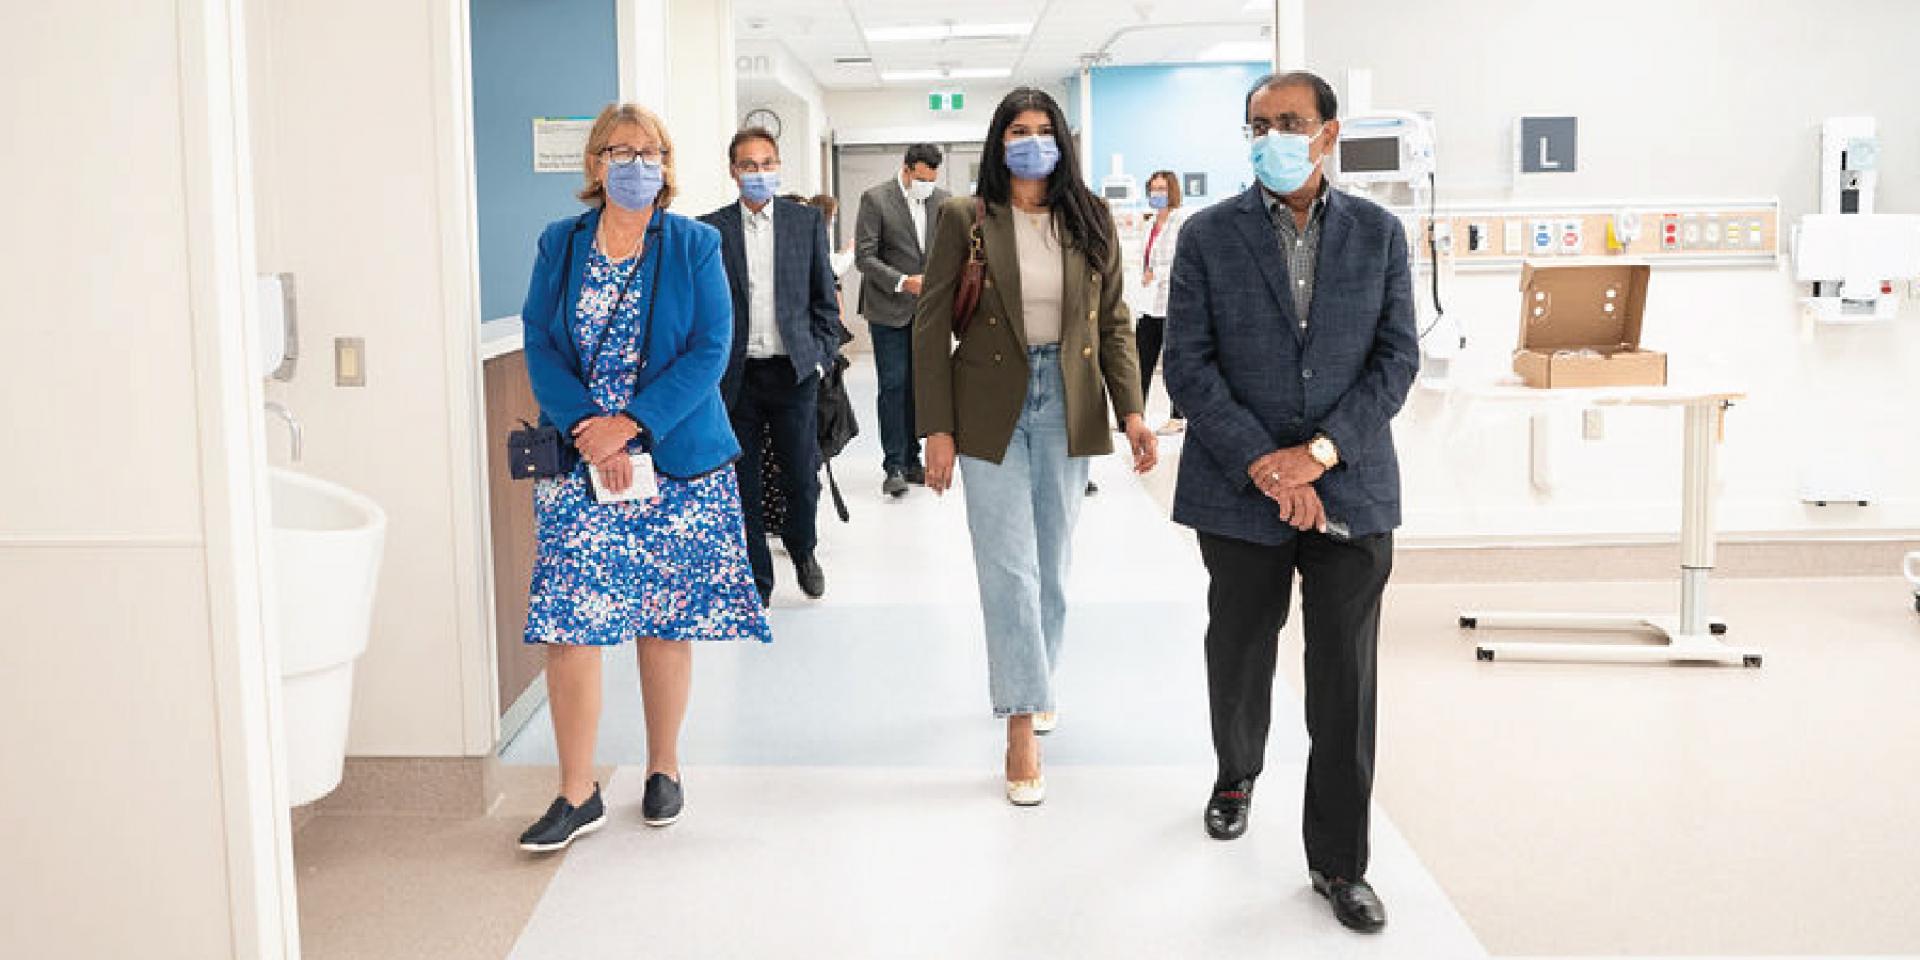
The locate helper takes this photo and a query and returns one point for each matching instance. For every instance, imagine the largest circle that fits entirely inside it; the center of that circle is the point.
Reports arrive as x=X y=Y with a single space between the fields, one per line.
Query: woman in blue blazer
x=628 y=326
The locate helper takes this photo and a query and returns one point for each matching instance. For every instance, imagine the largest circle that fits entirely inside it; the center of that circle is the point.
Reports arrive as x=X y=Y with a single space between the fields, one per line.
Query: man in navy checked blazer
x=1291 y=346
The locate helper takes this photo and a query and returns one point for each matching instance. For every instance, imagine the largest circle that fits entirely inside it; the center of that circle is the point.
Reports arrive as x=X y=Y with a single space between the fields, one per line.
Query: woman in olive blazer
x=1022 y=399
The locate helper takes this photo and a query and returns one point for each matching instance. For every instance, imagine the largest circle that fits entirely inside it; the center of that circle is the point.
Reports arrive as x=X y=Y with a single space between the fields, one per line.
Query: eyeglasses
x=748 y=166
x=621 y=156
x=1287 y=123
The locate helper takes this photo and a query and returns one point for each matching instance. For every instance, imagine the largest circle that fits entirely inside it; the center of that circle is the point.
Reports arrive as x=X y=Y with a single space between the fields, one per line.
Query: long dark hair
x=1079 y=216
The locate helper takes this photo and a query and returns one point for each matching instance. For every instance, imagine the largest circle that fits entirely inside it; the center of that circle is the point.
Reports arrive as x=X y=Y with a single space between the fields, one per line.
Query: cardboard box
x=1580 y=326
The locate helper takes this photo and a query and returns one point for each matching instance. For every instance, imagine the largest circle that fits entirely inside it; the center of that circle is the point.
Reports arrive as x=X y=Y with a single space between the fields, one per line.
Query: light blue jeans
x=1021 y=512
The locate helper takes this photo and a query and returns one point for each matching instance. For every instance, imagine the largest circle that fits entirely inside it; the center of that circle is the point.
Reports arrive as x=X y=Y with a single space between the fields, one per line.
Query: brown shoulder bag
x=973 y=277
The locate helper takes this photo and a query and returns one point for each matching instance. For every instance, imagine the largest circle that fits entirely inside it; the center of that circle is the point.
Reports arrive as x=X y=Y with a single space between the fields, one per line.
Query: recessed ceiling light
x=962 y=73
x=947 y=31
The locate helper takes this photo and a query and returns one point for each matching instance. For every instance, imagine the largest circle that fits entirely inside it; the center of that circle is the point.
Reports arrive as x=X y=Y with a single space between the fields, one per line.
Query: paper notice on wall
x=559 y=143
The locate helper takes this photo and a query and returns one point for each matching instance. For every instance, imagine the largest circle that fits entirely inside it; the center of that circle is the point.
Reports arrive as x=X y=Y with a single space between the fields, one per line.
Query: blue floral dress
x=674 y=567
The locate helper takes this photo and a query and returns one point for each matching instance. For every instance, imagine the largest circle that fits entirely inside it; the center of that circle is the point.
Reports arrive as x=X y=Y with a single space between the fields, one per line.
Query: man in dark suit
x=895 y=226
x=786 y=323
x=1291 y=346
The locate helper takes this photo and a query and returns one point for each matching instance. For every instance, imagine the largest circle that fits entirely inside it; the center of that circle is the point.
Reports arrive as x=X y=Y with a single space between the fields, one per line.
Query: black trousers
x=1341 y=582
x=1150 y=334
x=775 y=407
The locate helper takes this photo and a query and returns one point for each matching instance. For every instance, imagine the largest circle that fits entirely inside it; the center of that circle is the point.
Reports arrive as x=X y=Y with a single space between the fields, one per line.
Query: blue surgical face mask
x=758 y=188
x=1033 y=158
x=633 y=186
x=1283 y=161
x=1157 y=201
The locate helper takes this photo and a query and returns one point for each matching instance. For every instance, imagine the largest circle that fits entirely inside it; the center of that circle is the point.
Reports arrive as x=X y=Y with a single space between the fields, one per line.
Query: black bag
x=837 y=425
x=541 y=452
x=537 y=452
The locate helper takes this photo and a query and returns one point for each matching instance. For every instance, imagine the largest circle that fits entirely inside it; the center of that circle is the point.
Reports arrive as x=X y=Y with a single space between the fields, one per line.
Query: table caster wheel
x=1750 y=661
x=1469 y=623
x=1717 y=629
x=1483 y=654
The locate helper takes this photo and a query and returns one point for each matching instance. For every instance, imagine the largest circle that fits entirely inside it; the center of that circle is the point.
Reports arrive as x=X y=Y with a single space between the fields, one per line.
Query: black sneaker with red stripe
x=1227 y=810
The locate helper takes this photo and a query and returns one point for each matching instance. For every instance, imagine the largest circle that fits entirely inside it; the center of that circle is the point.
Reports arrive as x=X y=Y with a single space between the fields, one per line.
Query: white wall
x=1695 y=98
x=1713 y=98
x=771 y=77
x=364 y=186
x=701 y=111
x=899 y=114
x=140 y=804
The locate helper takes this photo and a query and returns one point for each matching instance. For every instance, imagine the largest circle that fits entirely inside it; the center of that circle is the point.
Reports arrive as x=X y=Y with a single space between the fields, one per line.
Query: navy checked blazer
x=1251 y=381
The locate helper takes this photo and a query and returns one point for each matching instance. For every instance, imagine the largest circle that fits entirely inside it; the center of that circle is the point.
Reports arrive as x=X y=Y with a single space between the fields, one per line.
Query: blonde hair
x=614 y=116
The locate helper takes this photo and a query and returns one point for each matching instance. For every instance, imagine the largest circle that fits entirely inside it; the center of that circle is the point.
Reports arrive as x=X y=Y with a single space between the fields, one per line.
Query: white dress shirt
x=763 y=327
x=918 y=208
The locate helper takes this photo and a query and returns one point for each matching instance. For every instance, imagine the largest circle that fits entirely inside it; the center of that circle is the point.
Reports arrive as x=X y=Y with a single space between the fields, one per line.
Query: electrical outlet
x=1443 y=236
x=1542 y=237
x=1736 y=235
x=1712 y=233
x=349 y=362
x=1593 y=425
x=1514 y=240
x=1476 y=237
x=1670 y=232
x=1689 y=232
x=1572 y=237
x=1753 y=234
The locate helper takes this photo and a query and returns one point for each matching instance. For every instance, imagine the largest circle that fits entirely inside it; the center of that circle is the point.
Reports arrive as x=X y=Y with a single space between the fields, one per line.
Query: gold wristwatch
x=1321 y=448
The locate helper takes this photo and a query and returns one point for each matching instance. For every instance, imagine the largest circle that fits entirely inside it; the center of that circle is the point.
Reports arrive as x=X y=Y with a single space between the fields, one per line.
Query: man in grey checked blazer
x=890 y=241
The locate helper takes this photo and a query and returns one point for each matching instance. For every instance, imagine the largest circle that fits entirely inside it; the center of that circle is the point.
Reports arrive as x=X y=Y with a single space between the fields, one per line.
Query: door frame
x=263 y=915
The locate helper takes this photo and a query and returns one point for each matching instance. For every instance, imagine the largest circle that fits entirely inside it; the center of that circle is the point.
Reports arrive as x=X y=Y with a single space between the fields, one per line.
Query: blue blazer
x=1251 y=381
x=804 y=305
x=677 y=398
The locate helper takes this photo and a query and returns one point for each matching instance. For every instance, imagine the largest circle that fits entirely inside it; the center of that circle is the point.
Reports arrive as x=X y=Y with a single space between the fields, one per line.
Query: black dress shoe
x=1354 y=902
x=564 y=823
x=661 y=805
x=1227 y=811
x=916 y=475
x=895 y=485
x=813 y=580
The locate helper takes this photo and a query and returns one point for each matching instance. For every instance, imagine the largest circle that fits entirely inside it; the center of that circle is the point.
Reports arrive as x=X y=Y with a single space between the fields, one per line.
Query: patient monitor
x=1388 y=156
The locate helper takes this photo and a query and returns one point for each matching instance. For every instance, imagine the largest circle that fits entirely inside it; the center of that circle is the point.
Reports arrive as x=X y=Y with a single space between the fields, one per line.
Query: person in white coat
x=1163 y=198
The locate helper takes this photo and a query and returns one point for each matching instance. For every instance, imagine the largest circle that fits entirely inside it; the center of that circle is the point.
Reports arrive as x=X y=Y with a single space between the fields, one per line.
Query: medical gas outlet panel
x=1706 y=233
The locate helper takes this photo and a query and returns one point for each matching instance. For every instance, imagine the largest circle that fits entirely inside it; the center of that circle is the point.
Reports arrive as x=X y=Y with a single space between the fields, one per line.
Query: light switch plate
x=349 y=361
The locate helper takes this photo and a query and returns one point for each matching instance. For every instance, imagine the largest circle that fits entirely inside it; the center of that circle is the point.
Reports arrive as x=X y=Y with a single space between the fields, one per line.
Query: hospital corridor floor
x=844 y=791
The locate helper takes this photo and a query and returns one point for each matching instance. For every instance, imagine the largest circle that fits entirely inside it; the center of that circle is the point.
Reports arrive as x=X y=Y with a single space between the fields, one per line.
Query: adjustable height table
x=1693 y=636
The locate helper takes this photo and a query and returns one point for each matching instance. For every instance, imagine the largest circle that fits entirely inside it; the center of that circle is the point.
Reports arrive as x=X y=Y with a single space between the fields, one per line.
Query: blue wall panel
x=1184 y=117
x=531 y=58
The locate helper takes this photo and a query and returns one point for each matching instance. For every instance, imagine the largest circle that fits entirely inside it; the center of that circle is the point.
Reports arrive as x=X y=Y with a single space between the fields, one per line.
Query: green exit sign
x=946 y=101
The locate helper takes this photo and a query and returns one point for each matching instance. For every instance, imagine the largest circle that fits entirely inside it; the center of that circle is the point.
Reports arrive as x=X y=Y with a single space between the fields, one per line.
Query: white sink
x=327 y=542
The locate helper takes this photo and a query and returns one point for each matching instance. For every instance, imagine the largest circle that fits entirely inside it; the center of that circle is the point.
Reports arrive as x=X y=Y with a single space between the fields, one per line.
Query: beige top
x=1042 y=280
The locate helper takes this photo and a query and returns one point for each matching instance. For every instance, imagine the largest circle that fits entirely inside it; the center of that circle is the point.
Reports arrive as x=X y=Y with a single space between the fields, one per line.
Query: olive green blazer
x=974 y=390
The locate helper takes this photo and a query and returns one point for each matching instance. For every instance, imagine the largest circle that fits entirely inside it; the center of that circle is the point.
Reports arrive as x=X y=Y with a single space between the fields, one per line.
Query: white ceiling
x=1162 y=31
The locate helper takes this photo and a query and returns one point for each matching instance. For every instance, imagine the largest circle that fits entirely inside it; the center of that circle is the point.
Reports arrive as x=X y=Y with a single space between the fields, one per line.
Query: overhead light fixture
x=852 y=61
x=1237 y=51
x=948 y=31
x=962 y=73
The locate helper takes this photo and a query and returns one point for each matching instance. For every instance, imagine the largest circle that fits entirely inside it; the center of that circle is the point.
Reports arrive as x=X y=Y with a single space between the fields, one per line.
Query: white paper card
x=645 y=486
